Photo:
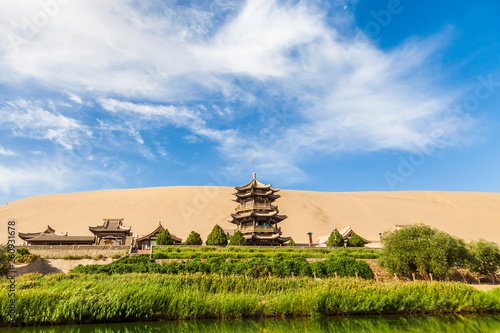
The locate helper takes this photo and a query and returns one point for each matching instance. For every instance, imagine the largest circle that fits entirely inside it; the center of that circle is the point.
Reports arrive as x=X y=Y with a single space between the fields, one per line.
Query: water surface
x=358 y=324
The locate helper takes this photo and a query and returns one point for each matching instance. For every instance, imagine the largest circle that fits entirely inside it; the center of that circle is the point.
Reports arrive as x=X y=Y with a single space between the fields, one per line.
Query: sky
x=337 y=96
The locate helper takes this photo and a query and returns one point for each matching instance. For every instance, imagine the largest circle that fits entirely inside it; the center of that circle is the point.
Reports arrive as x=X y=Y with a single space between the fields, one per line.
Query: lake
x=353 y=324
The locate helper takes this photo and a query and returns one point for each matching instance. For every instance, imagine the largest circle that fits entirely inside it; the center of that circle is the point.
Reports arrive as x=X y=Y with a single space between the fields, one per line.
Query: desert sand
x=468 y=215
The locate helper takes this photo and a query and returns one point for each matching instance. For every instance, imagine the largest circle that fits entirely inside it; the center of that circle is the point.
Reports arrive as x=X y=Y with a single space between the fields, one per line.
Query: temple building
x=145 y=242
x=50 y=237
x=112 y=232
x=256 y=216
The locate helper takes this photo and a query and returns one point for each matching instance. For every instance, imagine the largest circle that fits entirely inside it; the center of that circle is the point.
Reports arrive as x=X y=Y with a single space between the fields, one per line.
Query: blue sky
x=312 y=95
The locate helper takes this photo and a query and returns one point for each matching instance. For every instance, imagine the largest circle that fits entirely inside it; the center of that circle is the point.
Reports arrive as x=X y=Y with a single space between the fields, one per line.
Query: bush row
x=256 y=267
x=231 y=252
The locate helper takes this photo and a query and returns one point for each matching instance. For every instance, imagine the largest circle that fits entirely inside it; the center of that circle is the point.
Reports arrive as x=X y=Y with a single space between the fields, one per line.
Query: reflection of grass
x=63 y=298
x=234 y=252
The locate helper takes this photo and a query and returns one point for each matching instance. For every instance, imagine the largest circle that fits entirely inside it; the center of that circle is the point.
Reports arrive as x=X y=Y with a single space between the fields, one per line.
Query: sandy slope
x=182 y=209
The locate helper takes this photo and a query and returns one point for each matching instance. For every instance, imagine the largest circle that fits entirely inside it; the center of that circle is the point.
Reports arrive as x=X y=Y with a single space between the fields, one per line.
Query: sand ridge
x=468 y=215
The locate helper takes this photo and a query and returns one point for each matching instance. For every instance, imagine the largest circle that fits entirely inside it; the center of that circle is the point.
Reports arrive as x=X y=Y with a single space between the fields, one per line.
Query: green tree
x=237 y=239
x=164 y=238
x=356 y=241
x=4 y=260
x=331 y=239
x=484 y=258
x=421 y=249
x=217 y=236
x=291 y=242
x=194 y=238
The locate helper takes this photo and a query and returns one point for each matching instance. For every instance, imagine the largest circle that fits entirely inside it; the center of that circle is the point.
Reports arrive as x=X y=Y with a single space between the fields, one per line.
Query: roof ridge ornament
x=254 y=175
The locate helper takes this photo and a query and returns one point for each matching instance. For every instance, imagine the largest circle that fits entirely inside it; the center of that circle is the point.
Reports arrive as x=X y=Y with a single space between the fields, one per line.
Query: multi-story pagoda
x=256 y=216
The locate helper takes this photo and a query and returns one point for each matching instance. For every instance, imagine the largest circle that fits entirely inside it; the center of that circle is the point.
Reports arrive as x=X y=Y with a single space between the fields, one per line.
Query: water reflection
x=386 y=324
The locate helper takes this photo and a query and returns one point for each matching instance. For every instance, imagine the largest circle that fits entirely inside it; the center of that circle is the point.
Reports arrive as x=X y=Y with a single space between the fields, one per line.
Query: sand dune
x=181 y=209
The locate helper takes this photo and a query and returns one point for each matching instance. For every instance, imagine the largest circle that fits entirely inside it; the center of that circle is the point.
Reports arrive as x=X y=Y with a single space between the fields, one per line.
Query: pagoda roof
x=30 y=235
x=270 y=194
x=273 y=214
x=111 y=225
x=62 y=238
x=158 y=229
x=277 y=237
x=255 y=184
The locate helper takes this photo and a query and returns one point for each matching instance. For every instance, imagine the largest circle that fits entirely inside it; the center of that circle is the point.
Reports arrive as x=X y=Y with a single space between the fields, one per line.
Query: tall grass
x=78 y=298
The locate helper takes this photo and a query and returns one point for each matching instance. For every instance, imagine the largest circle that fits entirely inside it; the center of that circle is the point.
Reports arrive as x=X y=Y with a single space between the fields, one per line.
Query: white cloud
x=144 y=62
x=28 y=119
x=6 y=152
x=75 y=98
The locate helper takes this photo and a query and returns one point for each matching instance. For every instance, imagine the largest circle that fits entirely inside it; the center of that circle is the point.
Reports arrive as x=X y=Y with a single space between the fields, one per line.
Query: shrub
x=98 y=257
x=484 y=257
x=331 y=240
x=217 y=236
x=4 y=260
x=164 y=238
x=194 y=238
x=356 y=241
x=237 y=239
x=115 y=256
x=291 y=242
x=421 y=249
x=22 y=251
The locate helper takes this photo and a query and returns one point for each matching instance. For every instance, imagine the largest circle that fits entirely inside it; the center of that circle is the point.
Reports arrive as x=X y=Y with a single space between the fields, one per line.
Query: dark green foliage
x=256 y=267
x=331 y=239
x=164 y=238
x=237 y=239
x=22 y=251
x=356 y=241
x=484 y=258
x=343 y=266
x=291 y=242
x=217 y=236
x=4 y=260
x=194 y=238
x=421 y=249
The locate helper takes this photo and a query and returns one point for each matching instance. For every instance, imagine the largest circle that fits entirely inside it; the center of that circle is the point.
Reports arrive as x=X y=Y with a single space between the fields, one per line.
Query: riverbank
x=77 y=298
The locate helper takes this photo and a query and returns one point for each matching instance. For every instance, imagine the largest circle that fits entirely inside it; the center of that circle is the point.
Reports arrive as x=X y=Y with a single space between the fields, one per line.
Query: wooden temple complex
x=256 y=216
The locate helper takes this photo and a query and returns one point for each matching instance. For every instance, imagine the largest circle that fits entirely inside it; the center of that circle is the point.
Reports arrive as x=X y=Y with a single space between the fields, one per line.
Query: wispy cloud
x=31 y=120
x=6 y=152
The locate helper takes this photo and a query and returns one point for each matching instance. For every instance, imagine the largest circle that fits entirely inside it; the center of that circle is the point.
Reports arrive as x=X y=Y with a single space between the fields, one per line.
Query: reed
x=85 y=298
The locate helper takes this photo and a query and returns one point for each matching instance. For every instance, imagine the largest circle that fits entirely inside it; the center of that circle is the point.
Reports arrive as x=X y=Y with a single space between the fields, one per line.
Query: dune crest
x=468 y=215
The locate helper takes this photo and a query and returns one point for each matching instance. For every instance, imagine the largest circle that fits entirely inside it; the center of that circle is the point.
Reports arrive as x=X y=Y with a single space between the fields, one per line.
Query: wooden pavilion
x=256 y=216
x=145 y=242
x=111 y=232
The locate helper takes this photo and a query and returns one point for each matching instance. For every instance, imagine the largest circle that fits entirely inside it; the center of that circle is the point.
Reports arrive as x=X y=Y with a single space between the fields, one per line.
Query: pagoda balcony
x=252 y=205
x=248 y=230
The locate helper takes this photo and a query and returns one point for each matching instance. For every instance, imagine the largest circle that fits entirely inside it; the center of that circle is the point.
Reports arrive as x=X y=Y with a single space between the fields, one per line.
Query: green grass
x=78 y=298
x=244 y=252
